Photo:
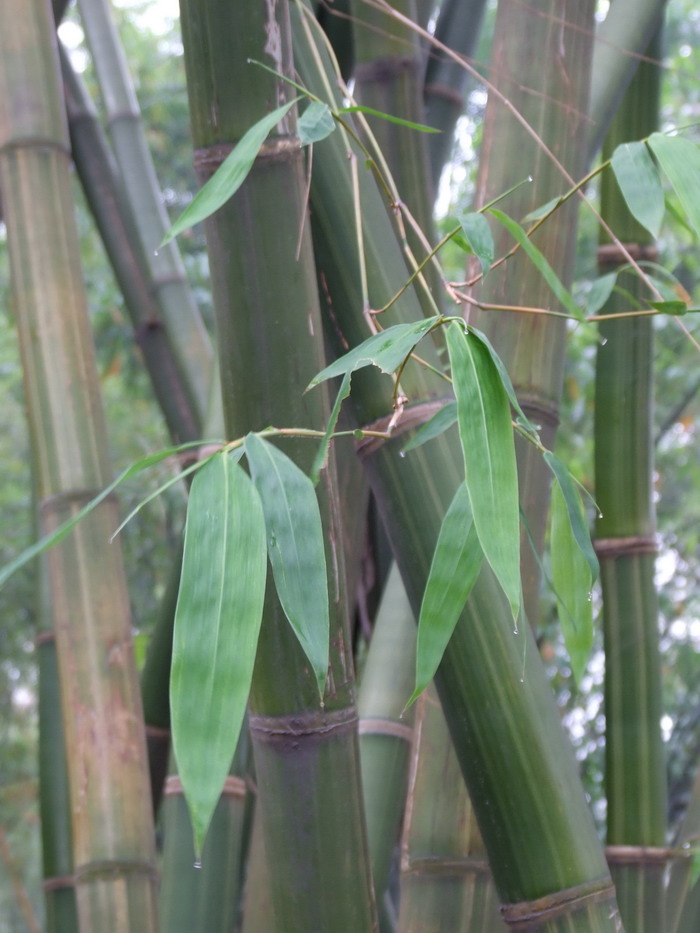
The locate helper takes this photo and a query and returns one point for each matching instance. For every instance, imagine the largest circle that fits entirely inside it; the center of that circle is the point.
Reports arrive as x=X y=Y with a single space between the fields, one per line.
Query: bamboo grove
x=348 y=391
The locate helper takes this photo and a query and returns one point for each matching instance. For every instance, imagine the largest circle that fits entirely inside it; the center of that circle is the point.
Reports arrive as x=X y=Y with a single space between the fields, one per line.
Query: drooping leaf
x=486 y=433
x=541 y=211
x=679 y=160
x=217 y=622
x=453 y=572
x=66 y=527
x=387 y=350
x=315 y=123
x=295 y=548
x=638 y=177
x=505 y=379
x=600 y=291
x=571 y=576
x=477 y=233
x=321 y=457
x=540 y=262
x=577 y=519
x=370 y=111
x=438 y=424
x=230 y=175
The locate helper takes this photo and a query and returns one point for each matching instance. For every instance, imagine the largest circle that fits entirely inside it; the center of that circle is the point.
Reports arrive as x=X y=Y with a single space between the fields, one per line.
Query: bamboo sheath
x=114 y=867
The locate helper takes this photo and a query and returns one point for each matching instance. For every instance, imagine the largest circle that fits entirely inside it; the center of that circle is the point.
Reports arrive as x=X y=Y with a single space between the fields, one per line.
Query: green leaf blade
x=295 y=547
x=574 y=507
x=217 y=623
x=477 y=233
x=679 y=160
x=438 y=424
x=315 y=123
x=370 y=111
x=230 y=175
x=455 y=567
x=488 y=446
x=640 y=184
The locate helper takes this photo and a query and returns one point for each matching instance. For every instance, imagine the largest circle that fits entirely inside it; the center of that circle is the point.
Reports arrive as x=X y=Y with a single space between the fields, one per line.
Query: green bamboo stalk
x=306 y=759
x=550 y=91
x=184 y=325
x=445 y=878
x=446 y=82
x=682 y=906
x=385 y=734
x=518 y=765
x=688 y=922
x=258 y=915
x=635 y=774
x=112 y=825
x=335 y=18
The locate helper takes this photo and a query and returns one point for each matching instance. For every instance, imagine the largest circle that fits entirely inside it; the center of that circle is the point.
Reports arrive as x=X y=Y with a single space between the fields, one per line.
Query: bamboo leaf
x=676 y=307
x=540 y=262
x=577 y=519
x=542 y=211
x=370 y=111
x=489 y=455
x=321 y=457
x=315 y=123
x=505 y=379
x=295 y=547
x=600 y=291
x=571 y=576
x=230 y=175
x=638 y=178
x=679 y=160
x=438 y=424
x=455 y=566
x=477 y=233
x=60 y=533
x=217 y=622
x=387 y=350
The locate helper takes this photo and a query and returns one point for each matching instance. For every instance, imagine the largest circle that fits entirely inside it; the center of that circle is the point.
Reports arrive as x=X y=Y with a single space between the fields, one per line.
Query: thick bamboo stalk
x=184 y=325
x=270 y=341
x=635 y=774
x=517 y=763
x=112 y=826
x=682 y=909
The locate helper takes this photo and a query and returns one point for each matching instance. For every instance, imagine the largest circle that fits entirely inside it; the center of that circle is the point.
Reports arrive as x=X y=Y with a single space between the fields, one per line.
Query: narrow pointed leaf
x=505 y=379
x=486 y=433
x=542 y=211
x=679 y=160
x=357 y=108
x=230 y=175
x=676 y=307
x=387 y=350
x=579 y=527
x=571 y=576
x=600 y=291
x=540 y=262
x=453 y=572
x=217 y=622
x=321 y=457
x=295 y=547
x=315 y=123
x=438 y=424
x=638 y=178
x=477 y=233
x=60 y=533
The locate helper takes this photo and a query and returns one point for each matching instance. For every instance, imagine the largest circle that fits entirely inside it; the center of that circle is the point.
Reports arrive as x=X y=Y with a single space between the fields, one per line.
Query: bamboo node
x=55 y=502
x=157 y=732
x=625 y=547
x=445 y=92
x=36 y=142
x=58 y=882
x=233 y=786
x=445 y=866
x=540 y=410
x=107 y=868
x=208 y=158
x=610 y=254
x=638 y=855
x=389 y=727
x=386 y=69
x=44 y=638
x=412 y=416
x=282 y=729
x=530 y=915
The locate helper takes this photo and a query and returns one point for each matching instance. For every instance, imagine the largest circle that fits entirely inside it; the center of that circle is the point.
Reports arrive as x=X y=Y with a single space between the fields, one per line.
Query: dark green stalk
x=518 y=765
x=682 y=906
x=635 y=775
x=270 y=343
x=113 y=838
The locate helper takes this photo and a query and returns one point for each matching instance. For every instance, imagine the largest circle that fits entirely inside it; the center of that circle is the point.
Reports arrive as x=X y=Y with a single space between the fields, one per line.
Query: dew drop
x=589 y=597
x=197 y=863
x=600 y=514
x=155 y=252
x=402 y=454
x=603 y=341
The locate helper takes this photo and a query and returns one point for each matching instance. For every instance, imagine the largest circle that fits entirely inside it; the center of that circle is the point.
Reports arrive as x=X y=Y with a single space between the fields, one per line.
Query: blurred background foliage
x=150 y=35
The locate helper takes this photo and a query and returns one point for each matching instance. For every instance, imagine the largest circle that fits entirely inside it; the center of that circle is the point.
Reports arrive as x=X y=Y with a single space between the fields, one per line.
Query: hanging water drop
x=155 y=252
x=197 y=863
x=402 y=454
x=603 y=341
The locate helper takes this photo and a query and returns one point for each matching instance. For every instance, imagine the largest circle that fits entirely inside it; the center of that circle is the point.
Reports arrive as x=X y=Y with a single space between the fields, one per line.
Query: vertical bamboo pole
x=112 y=826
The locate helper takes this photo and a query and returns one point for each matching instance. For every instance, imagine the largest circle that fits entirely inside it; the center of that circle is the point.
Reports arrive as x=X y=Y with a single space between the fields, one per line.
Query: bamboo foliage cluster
x=453 y=418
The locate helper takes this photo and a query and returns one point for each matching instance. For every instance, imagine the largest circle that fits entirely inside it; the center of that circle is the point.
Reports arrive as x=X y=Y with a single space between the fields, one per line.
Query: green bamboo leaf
x=571 y=576
x=456 y=564
x=295 y=547
x=542 y=211
x=217 y=622
x=321 y=457
x=639 y=181
x=477 y=233
x=679 y=160
x=577 y=518
x=230 y=175
x=600 y=291
x=505 y=379
x=60 y=533
x=357 y=108
x=387 y=350
x=315 y=123
x=676 y=307
x=486 y=433
x=438 y=424
x=539 y=261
